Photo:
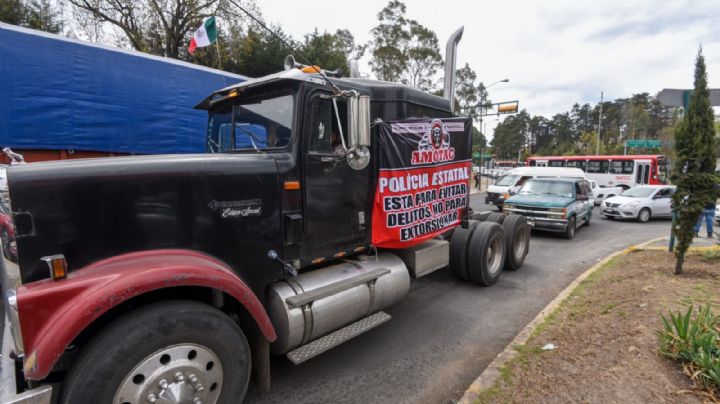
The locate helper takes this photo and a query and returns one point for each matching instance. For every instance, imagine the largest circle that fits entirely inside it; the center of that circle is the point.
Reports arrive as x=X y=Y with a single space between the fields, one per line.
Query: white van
x=513 y=179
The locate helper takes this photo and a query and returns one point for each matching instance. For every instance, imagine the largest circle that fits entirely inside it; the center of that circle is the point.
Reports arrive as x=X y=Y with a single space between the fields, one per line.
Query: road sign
x=646 y=143
x=680 y=98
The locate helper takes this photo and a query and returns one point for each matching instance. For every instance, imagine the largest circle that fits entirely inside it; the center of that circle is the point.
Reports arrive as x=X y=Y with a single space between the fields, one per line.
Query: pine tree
x=693 y=170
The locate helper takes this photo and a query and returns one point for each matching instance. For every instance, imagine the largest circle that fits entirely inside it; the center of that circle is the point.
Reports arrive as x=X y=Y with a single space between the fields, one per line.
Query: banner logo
x=434 y=147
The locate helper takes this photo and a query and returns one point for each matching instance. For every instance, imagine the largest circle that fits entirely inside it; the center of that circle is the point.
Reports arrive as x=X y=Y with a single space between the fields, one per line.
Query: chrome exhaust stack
x=450 y=61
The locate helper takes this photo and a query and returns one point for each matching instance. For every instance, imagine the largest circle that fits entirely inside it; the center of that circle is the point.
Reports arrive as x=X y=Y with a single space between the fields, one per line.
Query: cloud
x=555 y=52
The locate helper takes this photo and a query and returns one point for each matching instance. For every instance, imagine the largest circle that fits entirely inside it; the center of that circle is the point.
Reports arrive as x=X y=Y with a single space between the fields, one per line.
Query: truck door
x=337 y=197
x=642 y=172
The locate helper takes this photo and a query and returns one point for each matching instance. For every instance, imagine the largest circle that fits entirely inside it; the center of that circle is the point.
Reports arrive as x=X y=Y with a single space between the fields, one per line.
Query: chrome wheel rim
x=177 y=374
x=519 y=242
x=644 y=215
x=494 y=256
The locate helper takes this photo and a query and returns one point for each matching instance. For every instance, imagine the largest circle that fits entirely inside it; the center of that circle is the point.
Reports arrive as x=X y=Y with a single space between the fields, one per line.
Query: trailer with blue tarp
x=65 y=98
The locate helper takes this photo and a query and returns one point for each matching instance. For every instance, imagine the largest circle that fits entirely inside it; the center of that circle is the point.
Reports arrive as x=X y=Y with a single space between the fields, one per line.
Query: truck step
x=336 y=338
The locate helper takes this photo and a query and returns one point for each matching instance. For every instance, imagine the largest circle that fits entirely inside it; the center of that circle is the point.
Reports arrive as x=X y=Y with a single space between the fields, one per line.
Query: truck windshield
x=556 y=188
x=259 y=123
x=507 y=180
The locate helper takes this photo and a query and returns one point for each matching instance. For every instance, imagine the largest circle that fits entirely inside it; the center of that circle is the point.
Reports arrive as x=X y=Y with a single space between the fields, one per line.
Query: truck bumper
x=547 y=224
x=8 y=385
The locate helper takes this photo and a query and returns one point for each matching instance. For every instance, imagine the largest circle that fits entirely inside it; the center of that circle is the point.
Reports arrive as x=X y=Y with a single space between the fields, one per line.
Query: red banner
x=414 y=204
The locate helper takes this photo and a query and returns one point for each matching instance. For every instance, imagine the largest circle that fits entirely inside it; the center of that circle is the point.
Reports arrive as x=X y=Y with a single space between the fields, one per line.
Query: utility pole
x=597 y=147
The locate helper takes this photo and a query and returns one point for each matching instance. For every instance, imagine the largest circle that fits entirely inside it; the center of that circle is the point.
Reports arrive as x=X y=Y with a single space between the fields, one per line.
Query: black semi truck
x=173 y=278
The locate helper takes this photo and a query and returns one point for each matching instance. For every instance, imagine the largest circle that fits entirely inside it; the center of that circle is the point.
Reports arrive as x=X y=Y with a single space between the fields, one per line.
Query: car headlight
x=631 y=204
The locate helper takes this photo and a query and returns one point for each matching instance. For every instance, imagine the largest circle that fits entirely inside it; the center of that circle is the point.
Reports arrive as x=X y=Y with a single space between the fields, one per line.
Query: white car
x=641 y=203
x=717 y=214
x=600 y=193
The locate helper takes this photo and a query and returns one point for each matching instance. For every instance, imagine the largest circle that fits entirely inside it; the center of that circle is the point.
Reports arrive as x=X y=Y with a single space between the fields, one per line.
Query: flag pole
x=217 y=45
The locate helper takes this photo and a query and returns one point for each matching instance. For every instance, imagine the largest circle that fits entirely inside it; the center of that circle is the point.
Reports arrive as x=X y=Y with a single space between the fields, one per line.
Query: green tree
x=12 y=12
x=403 y=50
x=331 y=51
x=694 y=167
x=466 y=92
x=390 y=38
x=511 y=135
x=423 y=57
x=36 y=14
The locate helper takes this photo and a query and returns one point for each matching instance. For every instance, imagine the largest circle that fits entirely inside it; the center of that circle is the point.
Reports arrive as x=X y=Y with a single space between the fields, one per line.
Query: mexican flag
x=204 y=36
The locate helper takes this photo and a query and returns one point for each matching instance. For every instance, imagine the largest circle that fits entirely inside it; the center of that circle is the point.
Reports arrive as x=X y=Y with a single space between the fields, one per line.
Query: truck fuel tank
x=316 y=303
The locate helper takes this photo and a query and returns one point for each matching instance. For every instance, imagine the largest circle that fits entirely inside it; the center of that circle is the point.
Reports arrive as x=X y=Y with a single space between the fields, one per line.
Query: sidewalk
x=698 y=243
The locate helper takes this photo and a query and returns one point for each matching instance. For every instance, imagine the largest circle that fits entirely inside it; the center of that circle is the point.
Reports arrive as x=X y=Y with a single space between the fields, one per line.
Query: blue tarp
x=58 y=93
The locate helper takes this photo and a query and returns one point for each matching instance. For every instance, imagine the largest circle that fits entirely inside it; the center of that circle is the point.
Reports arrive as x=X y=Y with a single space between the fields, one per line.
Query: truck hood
x=541 y=201
x=90 y=209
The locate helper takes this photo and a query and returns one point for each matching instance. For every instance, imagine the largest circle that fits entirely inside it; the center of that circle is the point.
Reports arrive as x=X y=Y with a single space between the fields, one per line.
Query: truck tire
x=459 y=249
x=160 y=348
x=496 y=217
x=517 y=241
x=570 y=229
x=486 y=253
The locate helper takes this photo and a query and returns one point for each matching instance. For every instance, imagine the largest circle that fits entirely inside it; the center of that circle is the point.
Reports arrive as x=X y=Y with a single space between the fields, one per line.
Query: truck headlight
x=558 y=210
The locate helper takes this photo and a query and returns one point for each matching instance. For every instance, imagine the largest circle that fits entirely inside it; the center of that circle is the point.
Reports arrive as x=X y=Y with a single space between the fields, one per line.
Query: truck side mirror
x=358 y=120
x=358 y=130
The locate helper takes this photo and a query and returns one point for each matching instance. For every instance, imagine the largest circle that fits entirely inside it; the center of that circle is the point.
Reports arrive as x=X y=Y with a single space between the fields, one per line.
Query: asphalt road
x=444 y=334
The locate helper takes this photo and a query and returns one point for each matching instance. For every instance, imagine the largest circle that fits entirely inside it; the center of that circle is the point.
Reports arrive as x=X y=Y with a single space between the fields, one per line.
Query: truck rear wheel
x=496 y=217
x=517 y=241
x=459 y=250
x=172 y=351
x=486 y=253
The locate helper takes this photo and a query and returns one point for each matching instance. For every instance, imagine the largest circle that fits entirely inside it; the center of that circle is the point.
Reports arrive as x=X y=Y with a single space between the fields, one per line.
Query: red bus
x=613 y=171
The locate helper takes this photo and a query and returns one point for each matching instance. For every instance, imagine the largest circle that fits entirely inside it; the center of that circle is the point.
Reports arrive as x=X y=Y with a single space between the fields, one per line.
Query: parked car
x=641 y=203
x=717 y=214
x=600 y=193
x=511 y=182
x=554 y=204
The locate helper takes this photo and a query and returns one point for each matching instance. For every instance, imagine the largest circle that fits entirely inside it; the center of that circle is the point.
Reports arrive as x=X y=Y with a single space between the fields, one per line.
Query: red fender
x=53 y=313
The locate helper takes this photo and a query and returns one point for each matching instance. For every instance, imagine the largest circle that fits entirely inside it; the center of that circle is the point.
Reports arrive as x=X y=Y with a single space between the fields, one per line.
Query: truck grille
x=493 y=195
x=533 y=211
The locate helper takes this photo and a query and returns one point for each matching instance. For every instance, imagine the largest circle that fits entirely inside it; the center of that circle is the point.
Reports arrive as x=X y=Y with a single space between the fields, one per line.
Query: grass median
x=602 y=344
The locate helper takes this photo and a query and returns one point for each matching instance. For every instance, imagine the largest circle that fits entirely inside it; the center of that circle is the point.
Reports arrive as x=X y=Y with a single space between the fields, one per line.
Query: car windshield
x=507 y=180
x=259 y=124
x=556 y=188
x=639 y=192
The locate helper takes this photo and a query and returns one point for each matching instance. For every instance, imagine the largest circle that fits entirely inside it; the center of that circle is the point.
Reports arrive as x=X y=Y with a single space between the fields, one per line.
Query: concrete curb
x=490 y=375
x=690 y=249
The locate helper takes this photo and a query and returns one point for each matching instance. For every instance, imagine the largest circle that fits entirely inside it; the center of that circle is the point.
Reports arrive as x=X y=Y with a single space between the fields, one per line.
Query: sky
x=554 y=52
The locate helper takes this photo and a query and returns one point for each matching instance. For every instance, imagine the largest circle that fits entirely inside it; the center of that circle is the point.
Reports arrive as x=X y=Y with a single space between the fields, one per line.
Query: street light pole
x=597 y=147
x=482 y=101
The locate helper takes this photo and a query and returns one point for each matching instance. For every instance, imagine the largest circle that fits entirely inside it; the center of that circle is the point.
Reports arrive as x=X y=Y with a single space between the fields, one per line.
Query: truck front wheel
x=167 y=352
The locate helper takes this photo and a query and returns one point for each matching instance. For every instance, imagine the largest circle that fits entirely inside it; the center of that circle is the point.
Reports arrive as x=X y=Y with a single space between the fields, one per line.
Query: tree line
x=575 y=132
